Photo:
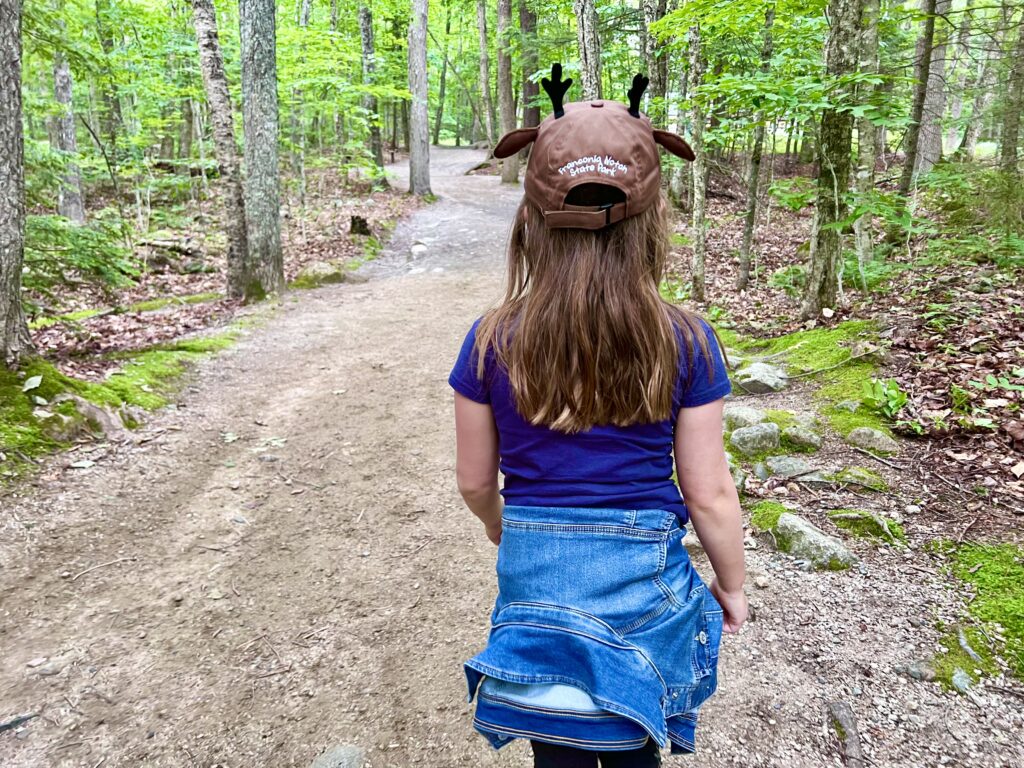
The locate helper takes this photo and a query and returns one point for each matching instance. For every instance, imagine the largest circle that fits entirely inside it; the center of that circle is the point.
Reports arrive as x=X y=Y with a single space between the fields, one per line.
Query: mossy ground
x=142 y=306
x=820 y=348
x=996 y=572
x=955 y=657
x=866 y=525
x=861 y=477
x=146 y=380
x=764 y=515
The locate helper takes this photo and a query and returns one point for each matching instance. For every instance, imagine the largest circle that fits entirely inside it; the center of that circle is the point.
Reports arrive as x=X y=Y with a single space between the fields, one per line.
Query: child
x=580 y=387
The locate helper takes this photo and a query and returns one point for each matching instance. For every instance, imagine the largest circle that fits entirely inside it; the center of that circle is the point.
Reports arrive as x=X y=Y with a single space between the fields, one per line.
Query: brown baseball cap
x=592 y=142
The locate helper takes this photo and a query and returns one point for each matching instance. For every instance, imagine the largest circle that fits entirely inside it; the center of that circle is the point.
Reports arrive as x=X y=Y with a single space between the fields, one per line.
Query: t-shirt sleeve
x=706 y=378
x=463 y=378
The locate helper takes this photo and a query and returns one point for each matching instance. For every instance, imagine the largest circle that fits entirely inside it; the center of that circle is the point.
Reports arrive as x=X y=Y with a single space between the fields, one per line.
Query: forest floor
x=281 y=562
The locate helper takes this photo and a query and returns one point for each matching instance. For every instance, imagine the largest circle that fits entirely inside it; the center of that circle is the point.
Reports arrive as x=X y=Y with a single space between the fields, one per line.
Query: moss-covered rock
x=806 y=541
x=764 y=515
x=320 y=273
x=861 y=476
x=868 y=524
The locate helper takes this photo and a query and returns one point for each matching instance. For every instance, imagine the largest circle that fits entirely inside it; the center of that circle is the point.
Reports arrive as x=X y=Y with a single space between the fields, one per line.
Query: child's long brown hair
x=582 y=331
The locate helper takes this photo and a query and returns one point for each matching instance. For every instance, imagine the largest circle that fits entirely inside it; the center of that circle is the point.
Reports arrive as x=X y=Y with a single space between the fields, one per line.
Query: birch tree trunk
x=834 y=144
x=510 y=165
x=70 y=200
x=370 y=100
x=867 y=131
x=655 y=59
x=16 y=339
x=260 y=123
x=922 y=66
x=419 y=120
x=218 y=97
x=1010 y=134
x=930 y=142
x=589 y=47
x=754 y=181
x=485 y=72
x=700 y=170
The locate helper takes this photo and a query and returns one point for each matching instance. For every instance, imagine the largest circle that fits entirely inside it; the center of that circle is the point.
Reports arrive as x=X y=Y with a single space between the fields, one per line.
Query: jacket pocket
x=708 y=637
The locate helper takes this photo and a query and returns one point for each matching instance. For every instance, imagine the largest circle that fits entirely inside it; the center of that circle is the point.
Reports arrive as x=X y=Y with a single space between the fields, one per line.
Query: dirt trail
x=302 y=572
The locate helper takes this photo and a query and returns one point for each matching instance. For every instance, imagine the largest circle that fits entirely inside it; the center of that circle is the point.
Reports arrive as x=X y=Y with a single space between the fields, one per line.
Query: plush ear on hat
x=513 y=141
x=674 y=144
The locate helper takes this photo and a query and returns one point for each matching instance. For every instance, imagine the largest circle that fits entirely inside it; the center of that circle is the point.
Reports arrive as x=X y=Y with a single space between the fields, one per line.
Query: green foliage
x=56 y=249
x=791 y=279
x=884 y=396
x=794 y=193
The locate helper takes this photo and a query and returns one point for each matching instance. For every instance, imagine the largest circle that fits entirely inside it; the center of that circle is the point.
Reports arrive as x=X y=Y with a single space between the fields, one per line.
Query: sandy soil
x=282 y=563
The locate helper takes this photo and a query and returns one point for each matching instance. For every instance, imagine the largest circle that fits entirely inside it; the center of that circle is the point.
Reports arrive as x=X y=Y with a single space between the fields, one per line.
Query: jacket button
x=702 y=638
x=675 y=694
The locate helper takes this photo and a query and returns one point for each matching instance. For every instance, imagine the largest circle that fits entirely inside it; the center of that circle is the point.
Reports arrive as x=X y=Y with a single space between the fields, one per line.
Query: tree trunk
x=260 y=124
x=218 y=98
x=185 y=134
x=530 y=61
x=834 y=143
x=112 y=119
x=984 y=93
x=70 y=200
x=655 y=59
x=419 y=120
x=439 y=115
x=485 y=71
x=755 y=160
x=930 y=141
x=369 y=99
x=297 y=113
x=867 y=131
x=589 y=48
x=922 y=67
x=700 y=170
x=16 y=339
x=510 y=165
x=1010 y=134
x=960 y=67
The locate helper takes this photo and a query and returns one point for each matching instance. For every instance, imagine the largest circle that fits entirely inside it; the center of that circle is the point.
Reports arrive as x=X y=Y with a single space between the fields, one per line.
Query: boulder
x=761 y=378
x=737 y=416
x=787 y=466
x=802 y=437
x=806 y=541
x=872 y=440
x=319 y=273
x=756 y=438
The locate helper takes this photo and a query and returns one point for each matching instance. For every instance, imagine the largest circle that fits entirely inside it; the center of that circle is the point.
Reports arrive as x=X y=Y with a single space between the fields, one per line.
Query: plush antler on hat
x=556 y=88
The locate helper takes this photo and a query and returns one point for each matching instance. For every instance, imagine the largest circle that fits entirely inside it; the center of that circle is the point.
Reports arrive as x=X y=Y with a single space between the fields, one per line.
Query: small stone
x=912 y=509
x=761 y=378
x=268 y=457
x=36 y=662
x=690 y=540
x=756 y=438
x=872 y=440
x=737 y=416
x=215 y=594
x=806 y=421
x=848 y=405
x=921 y=669
x=787 y=466
x=802 y=437
x=961 y=680
x=761 y=582
x=761 y=471
x=320 y=273
x=739 y=478
x=340 y=756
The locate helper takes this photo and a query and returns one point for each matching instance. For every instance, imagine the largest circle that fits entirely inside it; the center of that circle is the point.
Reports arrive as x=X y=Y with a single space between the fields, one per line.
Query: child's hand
x=494 y=533
x=734 y=607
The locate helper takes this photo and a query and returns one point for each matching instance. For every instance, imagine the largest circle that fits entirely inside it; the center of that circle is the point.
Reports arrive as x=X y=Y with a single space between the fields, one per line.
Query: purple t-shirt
x=605 y=466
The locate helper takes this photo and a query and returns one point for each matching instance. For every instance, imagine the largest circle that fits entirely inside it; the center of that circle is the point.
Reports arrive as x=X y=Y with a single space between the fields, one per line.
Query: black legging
x=552 y=756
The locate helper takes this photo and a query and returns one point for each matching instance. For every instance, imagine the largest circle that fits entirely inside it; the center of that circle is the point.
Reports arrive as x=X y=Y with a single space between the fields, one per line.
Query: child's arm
x=714 y=506
x=476 y=462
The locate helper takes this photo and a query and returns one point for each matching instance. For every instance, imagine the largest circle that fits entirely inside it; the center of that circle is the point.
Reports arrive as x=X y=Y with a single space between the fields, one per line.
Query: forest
x=852 y=225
